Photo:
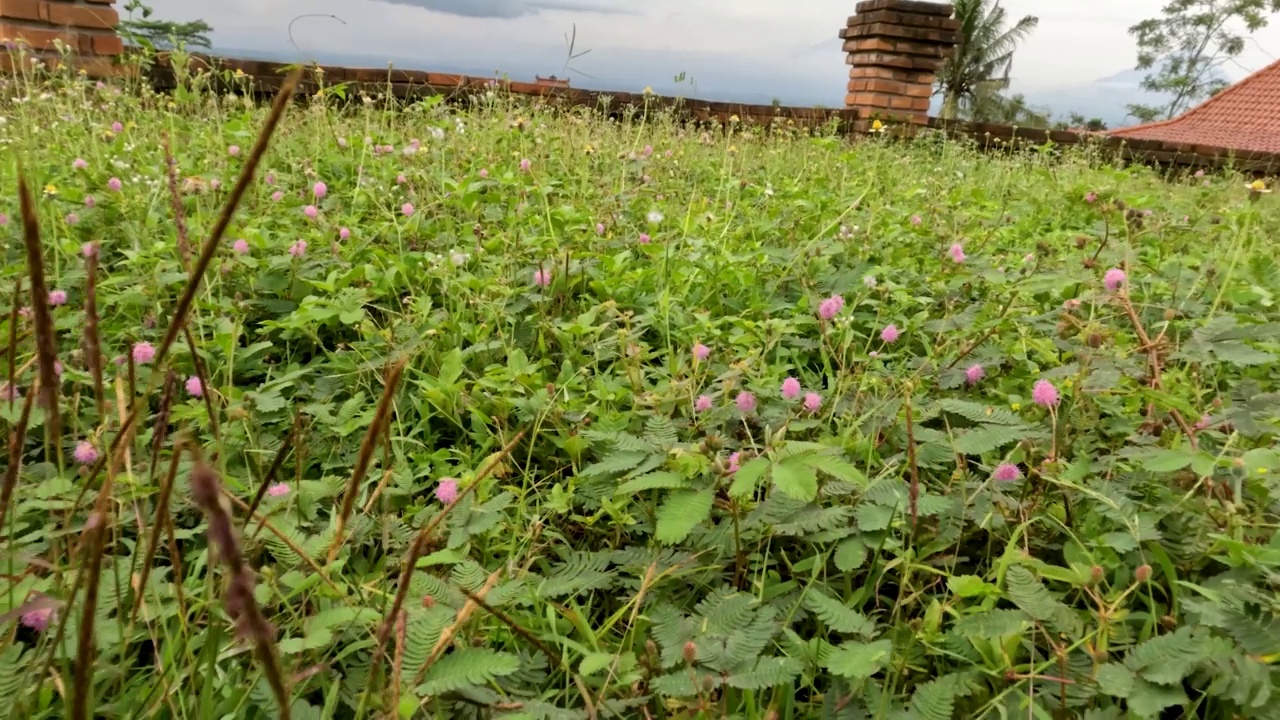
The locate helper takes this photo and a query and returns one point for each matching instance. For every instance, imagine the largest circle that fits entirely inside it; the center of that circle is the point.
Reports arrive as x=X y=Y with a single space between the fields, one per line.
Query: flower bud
x=690 y=653
x=1143 y=573
x=1096 y=574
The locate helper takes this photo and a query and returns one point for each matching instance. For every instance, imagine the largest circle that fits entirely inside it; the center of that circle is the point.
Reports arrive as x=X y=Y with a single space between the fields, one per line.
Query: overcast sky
x=1077 y=40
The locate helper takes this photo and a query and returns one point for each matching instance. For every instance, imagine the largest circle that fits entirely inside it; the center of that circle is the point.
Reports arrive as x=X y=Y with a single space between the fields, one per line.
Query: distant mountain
x=1106 y=98
x=629 y=71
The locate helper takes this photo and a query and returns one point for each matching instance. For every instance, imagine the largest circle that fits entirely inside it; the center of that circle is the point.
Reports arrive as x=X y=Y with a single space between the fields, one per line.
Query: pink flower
x=143 y=353
x=320 y=190
x=812 y=401
x=311 y=211
x=702 y=404
x=957 y=253
x=644 y=238
x=241 y=246
x=270 y=178
x=10 y=392
x=745 y=401
x=117 y=127
x=79 y=164
x=447 y=491
x=974 y=373
x=38 y=619
x=701 y=352
x=114 y=184
x=1114 y=278
x=890 y=333
x=277 y=196
x=525 y=165
x=407 y=209
x=733 y=462
x=57 y=297
x=1006 y=472
x=831 y=307
x=600 y=228
x=916 y=220
x=1091 y=197
x=278 y=490
x=484 y=173
x=401 y=179
x=194 y=387
x=4 y=219
x=343 y=233
x=542 y=278
x=298 y=248
x=233 y=150
x=1044 y=393
x=89 y=202
x=85 y=452
x=790 y=388
x=72 y=219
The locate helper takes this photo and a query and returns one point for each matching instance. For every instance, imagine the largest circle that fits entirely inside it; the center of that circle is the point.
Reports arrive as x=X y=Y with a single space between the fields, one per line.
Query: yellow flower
x=877 y=126
x=239 y=73
x=50 y=189
x=733 y=118
x=589 y=149
x=648 y=90
x=1257 y=185
x=1016 y=406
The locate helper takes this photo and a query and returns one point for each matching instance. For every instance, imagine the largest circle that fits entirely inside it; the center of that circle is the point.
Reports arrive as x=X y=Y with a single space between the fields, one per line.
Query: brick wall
x=895 y=48
x=85 y=27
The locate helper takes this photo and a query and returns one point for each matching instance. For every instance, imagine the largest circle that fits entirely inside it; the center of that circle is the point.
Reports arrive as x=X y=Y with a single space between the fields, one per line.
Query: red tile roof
x=1245 y=117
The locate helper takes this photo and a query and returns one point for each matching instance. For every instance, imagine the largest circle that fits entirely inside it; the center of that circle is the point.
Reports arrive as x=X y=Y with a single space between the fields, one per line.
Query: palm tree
x=979 y=66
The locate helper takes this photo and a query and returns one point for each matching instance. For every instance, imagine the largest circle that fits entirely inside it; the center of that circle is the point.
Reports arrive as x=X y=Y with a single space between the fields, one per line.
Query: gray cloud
x=510 y=8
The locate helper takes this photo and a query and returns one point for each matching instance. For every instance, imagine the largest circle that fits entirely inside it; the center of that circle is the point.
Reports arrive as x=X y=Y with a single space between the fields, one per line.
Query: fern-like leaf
x=836 y=615
x=470 y=666
x=765 y=673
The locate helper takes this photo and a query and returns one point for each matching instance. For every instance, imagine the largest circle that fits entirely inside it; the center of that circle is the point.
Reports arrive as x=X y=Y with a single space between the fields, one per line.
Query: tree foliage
x=978 y=69
x=140 y=29
x=1187 y=47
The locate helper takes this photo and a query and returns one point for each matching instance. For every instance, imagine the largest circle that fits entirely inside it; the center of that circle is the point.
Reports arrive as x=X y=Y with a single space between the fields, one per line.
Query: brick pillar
x=895 y=48
x=86 y=27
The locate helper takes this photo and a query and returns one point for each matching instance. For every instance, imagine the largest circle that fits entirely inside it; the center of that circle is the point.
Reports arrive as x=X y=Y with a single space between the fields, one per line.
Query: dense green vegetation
x=650 y=467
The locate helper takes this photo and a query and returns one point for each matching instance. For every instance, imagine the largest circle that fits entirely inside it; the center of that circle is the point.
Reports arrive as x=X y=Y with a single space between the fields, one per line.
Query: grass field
x=671 y=423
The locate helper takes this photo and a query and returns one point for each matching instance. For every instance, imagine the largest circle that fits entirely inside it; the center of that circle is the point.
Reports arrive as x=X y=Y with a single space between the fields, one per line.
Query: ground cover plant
x=501 y=411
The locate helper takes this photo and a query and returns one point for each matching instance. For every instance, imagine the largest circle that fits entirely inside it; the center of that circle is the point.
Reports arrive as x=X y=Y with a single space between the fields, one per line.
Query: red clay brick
x=97 y=18
x=915 y=34
x=106 y=44
x=23 y=9
x=933 y=22
x=908 y=6
x=37 y=38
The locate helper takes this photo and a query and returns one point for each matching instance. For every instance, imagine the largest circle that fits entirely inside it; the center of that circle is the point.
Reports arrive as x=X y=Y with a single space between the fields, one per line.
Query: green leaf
x=1146 y=700
x=681 y=513
x=795 y=480
x=765 y=673
x=836 y=467
x=614 y=464
x=850 y=554
x=1165 y=460
x=661 y=479
x=836 y=615
x=1115 y=679
x=469 y=666
x=971 y=586
x=747 y=477
x=857 y=661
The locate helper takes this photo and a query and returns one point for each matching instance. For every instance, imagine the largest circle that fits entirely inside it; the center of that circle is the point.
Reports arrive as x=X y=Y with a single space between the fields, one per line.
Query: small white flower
x=869 y=281
x=437 y=133
x=655 y=217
